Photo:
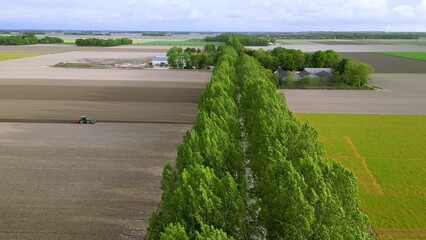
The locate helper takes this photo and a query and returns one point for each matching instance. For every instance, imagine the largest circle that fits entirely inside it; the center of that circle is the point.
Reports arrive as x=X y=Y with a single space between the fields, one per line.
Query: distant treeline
x=102 y=42
x=28 y=39
x=245 y=39
x=342 y=35
x=154 y=34
x=87 y=33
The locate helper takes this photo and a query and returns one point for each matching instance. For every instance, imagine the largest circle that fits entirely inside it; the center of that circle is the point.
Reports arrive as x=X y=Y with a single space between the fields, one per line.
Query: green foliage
x=354 y=73
x=210 y=233
x=245 y=40
x=98 y=42
x=295 y=193
x=291 y=77
x=235 y=44
x=25 y=39
x=174 y=232
x=306 y=81
x=290 y=59
x=412 y=55
x=189 y=58
x=285 y=210
x=289 y=168
x=51 y=40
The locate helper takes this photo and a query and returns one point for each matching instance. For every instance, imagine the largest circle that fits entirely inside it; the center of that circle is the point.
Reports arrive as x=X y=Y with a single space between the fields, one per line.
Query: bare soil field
x=405 y=95
x=65 y=181
x=388 y=64
x=345 y=42
x=146 y=102
x=58 y=48
x=102 y=181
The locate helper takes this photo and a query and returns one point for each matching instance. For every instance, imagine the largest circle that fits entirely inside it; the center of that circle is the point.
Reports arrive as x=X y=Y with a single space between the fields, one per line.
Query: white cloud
x=225 y=15
x=422 y=6
x=404 y=11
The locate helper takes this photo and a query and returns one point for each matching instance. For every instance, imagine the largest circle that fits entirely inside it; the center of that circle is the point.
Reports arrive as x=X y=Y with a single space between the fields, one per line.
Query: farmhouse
x=323 y=74
x=315 y=77
x=160 y=61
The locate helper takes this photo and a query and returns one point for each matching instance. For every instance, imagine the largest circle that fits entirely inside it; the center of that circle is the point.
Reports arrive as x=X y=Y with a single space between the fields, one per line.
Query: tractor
x=85 y=120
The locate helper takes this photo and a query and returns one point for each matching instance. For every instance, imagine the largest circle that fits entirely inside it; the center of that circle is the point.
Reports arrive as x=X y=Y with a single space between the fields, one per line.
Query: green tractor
x=85 y=120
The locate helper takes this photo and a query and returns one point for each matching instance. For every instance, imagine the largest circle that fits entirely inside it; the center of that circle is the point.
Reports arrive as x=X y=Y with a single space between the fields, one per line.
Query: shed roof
x=317 y=70
x=160 y=58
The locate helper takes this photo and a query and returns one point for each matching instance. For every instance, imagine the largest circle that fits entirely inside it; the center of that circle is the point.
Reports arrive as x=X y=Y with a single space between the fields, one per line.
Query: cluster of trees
x=103 y=42
x=191 y=57
x=295 y=60
x=204 y=195
x=245 y=39
x=28 y=39
x=90 y=33
x=244 y=126
x=25 y=39
x=343 y=35
x=51 y=40
x=154 y=34
x=353 y=73
x=300 y=196
x=347 y=71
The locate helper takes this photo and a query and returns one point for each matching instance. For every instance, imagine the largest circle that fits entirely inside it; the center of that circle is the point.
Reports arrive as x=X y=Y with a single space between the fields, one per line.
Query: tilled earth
x=65 y=181
x=388 y=64
x=60 y=180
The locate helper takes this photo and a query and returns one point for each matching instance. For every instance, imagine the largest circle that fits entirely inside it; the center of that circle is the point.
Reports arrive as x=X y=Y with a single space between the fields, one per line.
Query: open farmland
x=179 y=43
x=388 y=64
x=65 y=181
x=402 y=94
x=411 y=55
x=387 y=155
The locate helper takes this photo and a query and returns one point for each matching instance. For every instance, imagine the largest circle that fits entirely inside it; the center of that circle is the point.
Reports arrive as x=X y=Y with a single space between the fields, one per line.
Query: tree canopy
x=250 y=169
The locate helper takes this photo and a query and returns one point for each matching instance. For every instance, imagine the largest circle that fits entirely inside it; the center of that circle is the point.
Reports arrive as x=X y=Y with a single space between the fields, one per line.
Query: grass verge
x=387 y=153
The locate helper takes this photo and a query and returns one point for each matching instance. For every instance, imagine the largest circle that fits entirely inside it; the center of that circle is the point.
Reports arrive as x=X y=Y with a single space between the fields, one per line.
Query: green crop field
x=9 y=56
x=413 y=55
x=179 y=43
x=69 y=41
x=387 y=153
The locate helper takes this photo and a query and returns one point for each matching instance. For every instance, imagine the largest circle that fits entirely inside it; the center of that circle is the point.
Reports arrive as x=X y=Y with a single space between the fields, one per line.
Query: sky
x=215 y=15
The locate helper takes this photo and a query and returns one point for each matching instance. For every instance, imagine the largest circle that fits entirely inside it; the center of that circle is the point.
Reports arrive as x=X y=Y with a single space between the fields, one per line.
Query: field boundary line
x=364 y=165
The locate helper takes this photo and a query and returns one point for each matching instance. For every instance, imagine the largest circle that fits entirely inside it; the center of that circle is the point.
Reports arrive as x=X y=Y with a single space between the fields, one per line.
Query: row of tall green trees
x=244 y=126
x=98 y=42
x=204 y=195
x=28 y=39
x=300 y=196
x=191 y=58
x=347 y=71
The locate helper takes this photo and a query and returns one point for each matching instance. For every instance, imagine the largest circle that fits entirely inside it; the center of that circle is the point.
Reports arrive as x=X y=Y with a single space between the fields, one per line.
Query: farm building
x=160 y=61
x=316 y=75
